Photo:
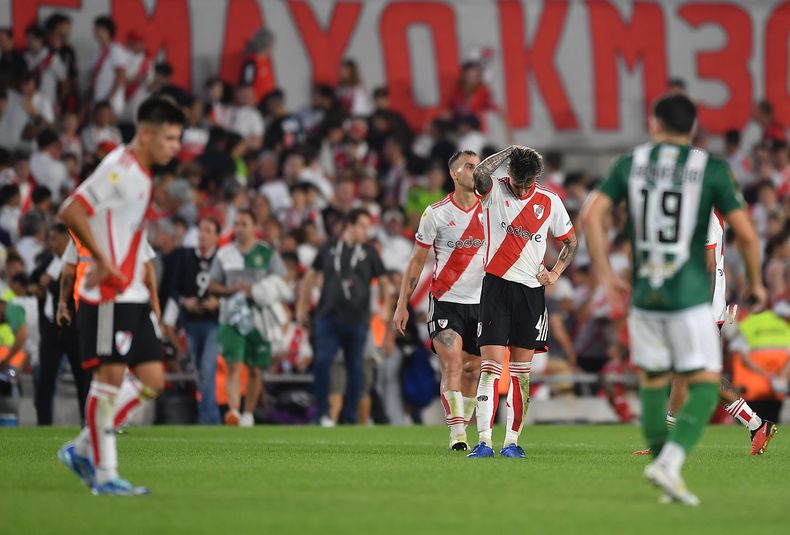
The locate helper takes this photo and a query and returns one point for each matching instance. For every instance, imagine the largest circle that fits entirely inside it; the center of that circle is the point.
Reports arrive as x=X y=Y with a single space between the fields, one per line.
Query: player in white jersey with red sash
x=453 y=228
x=519 y=216
x=116 y=325
x=761 y=431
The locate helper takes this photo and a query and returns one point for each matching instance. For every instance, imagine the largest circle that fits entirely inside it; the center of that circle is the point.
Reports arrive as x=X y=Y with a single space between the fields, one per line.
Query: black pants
x=55 y=342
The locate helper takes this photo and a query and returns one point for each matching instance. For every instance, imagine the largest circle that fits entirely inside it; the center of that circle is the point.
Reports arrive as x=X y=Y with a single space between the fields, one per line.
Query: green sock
x=695 y=414
x=654 y=416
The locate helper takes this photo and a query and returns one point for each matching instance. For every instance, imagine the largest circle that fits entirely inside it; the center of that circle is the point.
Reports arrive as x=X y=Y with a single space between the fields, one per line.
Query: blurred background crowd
x=300 y=172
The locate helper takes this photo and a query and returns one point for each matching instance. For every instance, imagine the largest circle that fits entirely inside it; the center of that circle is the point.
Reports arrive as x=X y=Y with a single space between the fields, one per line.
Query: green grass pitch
x=280 y=480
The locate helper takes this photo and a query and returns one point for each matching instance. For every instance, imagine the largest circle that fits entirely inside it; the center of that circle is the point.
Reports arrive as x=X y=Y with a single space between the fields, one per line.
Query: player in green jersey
x=670 y=189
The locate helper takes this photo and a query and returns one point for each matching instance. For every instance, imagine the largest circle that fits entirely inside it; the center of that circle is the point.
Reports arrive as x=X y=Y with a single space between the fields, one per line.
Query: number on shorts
x=542 y=327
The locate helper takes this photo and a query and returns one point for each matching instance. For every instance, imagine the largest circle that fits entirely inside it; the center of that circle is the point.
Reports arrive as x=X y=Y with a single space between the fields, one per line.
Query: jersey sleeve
x=100 y=190
x=561 y=225
x=148 y=251
x=488 y=198
x=277 y=266
x=712 y=238
x=615 y=186
x=217 y=273
x=426 y=232
x=726 y=196
x=118 y=58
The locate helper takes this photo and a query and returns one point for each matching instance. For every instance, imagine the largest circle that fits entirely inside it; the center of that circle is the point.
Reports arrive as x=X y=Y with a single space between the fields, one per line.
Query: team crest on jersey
x=442 y=323
x=258 y=261
x=538 y=210
x=123 y=342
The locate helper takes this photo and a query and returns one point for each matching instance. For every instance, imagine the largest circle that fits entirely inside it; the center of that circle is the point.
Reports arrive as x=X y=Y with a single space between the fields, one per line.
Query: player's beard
x=523 y=186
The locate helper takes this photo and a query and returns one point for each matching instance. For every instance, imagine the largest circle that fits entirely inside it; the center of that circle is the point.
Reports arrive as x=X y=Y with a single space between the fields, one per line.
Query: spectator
x=10 y=211
x=342 y=318
x=139 y=74
x=46 y=167
x=395 y=248
x=422 y=196
x=469 y=135
x=58 y=30
x=13 y=339
x=195 y=136
x=70 y=140
x=739 y=161
x=246 y=120
x=772 y=129
x=45 y=63
x=781 y=155
x=163 y=83
x=217 y=103
x=472 y=97
x=101 y=129
x=284 y=129
x=385 y=122
x=238 y=268
x=395 y=179
x=109 y=70
x=27 y=112
x=351 y=91
x=42 y=202
x=199 y=313
x=257 y=71
x=33 y=231
x=12 y=63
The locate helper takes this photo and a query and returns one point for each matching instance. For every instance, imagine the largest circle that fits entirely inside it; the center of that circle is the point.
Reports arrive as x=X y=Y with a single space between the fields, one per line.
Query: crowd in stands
x=299 y=173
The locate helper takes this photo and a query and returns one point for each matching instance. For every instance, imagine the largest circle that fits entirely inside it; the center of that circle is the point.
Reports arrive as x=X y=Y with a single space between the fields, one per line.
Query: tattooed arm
x=569 y=247
x=486 y=168
x=410 y=279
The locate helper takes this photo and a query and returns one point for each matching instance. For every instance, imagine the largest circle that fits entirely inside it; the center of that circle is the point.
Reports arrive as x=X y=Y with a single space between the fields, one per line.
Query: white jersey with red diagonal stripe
x=457 y=238
x=715 y=241
x=517 y=229
x=117 y=196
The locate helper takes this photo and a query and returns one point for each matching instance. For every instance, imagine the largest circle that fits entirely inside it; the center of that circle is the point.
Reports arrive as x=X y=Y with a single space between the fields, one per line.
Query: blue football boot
x=81 y=466
x=481 y=451
x=514 y=451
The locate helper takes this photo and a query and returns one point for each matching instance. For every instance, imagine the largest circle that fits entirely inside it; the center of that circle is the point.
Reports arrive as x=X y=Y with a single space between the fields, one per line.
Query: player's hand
x=101 y=271
x=617 y=291
x=62 y=316
x=243 y=287
x=400 y=319
x=757 y=298
x=546 y=277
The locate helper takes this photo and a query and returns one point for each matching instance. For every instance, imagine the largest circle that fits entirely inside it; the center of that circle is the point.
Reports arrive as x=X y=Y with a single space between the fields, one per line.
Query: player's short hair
x=105 y=22
x=732 y=137
x=159 y=110
x=61 y=229
x=676 y=113
x=525 y=166
x=40 y=194
x=34 y=31
x=454 y=157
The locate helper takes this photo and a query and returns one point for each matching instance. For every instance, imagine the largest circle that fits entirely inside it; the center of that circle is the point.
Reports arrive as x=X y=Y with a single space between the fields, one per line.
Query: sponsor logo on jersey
x=468 y=243
x=521 y=232
x=123 y=342
x=539 y=208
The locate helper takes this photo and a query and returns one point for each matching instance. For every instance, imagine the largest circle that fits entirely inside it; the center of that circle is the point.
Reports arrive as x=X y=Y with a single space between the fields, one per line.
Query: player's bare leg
x=469 y=380
x=254 y=389
x=233 y=389
x=448 y=345
x=517 y=399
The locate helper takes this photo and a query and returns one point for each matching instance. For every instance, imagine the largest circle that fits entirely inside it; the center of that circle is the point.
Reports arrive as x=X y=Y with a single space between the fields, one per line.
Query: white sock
x=100 y=412
x=453 y=403
x=470 y=404
x=671 y=420
x=741 y=411
x=517 y=400
x=487 y=399
x=132 y=394
x=672 y=456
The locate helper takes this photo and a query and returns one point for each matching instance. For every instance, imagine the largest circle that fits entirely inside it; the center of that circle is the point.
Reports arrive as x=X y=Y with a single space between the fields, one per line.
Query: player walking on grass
x=115 y=322
x=761 y=431
x=670 y=189
x=454 y=228
x=519 y=215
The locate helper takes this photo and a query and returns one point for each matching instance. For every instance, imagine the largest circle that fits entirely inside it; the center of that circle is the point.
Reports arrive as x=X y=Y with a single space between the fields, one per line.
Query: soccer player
x=670 y=189
x=453 y=227
x=116 y=324
x=519 y=216
x=236 y=267
x=761 y=431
